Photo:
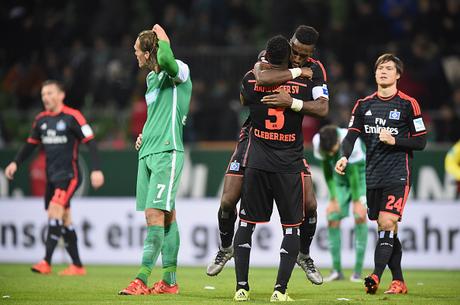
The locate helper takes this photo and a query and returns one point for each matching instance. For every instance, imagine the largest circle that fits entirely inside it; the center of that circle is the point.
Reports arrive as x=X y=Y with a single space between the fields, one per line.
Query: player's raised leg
x=307 y=232
x=227 y=217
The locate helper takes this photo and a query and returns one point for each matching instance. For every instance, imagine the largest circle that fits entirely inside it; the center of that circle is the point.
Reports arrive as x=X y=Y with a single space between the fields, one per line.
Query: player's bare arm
x=268 y=77
x=316 y=108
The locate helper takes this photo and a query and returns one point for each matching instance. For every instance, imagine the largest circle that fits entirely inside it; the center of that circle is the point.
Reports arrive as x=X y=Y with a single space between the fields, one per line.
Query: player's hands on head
x=280 y=99
x=97 y=179
x=161 y=34
x=10 y=170
x=138 y=144
x=341 y=165
x=306 y=72
x=386 y=137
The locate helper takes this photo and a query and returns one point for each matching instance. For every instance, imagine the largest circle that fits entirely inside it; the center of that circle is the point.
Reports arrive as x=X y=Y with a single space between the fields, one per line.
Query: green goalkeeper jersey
x=168 y=99
x=355 y=167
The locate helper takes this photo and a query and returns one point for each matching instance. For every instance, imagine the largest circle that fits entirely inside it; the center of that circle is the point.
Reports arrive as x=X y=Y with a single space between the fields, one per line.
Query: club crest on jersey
x=235 y=166
x=60 y=125
x=394 y=115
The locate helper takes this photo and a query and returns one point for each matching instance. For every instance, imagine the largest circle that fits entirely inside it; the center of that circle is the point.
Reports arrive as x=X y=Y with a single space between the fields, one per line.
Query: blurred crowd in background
x=88 y=45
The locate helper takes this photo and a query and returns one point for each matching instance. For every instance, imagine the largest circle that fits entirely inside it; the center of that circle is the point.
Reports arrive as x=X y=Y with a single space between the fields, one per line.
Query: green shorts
x=158 y=177
x=344 y=198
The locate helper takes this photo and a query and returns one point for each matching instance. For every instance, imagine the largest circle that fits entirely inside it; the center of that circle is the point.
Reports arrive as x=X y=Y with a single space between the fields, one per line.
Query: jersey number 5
x=278 y=113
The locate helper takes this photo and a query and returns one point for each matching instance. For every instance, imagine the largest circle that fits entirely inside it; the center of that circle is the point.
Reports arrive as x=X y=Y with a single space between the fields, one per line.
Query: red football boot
x=397 y=287
x=42 y=267
x=73 y=270
x=136 y=287
x=161 y=287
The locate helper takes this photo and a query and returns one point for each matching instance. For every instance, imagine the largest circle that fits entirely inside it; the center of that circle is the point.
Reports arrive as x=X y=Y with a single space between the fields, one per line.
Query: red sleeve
x=356 y=119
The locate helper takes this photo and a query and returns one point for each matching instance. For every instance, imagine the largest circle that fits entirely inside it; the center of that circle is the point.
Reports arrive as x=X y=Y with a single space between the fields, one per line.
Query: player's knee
x=55 y=211
x=155 y=217
x=229 y=201
x=311 y=205
x=333 y=224
x=359 y=219
x=386 y=223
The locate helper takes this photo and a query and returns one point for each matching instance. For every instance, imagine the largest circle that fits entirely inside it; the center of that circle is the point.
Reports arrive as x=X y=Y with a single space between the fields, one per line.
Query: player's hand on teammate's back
x=280 y=99
x=97 y=179
x=386 y=137
x=341 y=165
x=10 y=170
x=306 y=72
x=138 y=144
x=161 y=34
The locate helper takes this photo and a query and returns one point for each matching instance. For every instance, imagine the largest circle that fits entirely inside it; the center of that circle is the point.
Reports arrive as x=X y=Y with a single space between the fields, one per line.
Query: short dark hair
x=278 y=50
x=54 y=82
x=327 y=137
x=390 y=57
x=306 y=34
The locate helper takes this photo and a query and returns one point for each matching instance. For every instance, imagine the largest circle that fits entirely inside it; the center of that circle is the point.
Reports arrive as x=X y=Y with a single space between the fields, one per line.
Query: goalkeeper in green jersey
x=342 y=190
x=161 y=158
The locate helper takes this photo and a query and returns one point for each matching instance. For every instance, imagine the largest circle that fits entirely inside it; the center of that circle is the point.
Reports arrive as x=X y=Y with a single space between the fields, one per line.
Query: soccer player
x=59 y=130
x=452 y=165
x=275 y=170
x=390 y=124
x=161 y=158
x=342 y=190
x=302 y=46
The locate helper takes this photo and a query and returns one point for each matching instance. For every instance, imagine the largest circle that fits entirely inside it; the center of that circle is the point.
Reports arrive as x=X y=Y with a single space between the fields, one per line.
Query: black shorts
x=259 y=190
x=61 y=192
x=239 y=158
x=390 y=199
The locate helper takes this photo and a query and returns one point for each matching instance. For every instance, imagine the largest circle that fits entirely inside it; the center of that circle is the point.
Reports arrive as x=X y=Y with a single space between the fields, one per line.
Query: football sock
x=169 y=253
x=307 y=232
x=288 y=256
x=383 y=251
x=152 y=247
x=360 y=245
x=226 y=226
x=242 y=251
x=54 y=233
x=395 y=261
x=334 y=247
x=70 y=242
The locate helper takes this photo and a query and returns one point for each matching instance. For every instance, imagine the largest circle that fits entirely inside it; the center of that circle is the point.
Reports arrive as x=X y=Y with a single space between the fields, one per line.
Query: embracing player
x=302 y=47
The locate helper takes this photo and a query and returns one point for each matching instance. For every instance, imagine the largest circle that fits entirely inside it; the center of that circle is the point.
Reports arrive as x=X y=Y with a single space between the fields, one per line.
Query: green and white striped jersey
x=168 y=101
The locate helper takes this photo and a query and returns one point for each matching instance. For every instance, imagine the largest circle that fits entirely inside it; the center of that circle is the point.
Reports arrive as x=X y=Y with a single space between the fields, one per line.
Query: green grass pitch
x=18 y=285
